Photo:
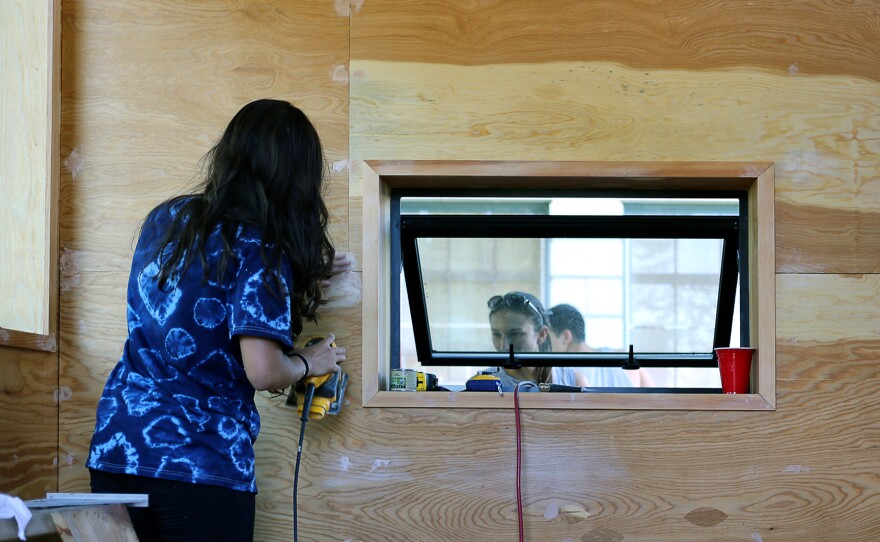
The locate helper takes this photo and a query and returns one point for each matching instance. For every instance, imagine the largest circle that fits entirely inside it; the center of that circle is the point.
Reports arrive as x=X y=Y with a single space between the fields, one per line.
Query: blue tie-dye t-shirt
x=178 y=405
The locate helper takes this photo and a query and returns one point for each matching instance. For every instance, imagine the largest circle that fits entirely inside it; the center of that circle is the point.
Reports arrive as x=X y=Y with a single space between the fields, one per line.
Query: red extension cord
x=519 y=509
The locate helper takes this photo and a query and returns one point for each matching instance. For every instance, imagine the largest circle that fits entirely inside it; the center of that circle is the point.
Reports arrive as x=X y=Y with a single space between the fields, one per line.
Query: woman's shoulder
x=168 y=209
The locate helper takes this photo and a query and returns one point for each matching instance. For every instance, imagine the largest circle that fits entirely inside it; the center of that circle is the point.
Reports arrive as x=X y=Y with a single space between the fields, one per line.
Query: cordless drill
x=319 y=395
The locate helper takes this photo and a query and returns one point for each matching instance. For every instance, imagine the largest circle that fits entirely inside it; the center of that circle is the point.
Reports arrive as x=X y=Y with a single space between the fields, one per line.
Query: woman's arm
x=580 y=379
x=267 y=367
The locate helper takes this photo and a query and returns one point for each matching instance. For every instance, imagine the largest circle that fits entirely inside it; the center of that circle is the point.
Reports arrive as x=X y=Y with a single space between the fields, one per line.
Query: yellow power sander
x=320 y=395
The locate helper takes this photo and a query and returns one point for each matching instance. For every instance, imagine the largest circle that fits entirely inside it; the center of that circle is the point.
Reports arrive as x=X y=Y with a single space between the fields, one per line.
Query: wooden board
x=86 y=523
x=29 y=397
x=29 y=109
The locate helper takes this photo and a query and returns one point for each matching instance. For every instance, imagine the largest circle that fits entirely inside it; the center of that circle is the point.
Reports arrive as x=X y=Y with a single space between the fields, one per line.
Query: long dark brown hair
x=266 y=170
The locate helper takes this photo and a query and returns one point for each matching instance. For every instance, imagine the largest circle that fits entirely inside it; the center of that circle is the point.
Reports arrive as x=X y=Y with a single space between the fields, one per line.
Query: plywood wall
x=148 y=85
x=672 y=81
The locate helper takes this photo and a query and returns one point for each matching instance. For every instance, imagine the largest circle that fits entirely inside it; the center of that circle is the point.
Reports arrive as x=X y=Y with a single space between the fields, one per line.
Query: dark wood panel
x=809 y=37
x=29 y=395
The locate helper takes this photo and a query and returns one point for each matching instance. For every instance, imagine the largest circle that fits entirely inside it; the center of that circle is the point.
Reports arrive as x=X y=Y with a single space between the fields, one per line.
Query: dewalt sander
x=316 y=396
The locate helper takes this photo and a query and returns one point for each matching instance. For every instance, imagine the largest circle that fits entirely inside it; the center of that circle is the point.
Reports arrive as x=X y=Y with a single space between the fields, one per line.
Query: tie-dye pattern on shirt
x=178 y=405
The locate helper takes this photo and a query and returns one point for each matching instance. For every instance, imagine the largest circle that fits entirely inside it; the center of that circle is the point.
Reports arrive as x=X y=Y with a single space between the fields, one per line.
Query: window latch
x=630 y=363
x=512 y=362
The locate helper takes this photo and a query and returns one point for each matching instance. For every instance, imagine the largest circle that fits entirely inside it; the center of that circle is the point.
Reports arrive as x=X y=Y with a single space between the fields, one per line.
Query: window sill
x=570 y=401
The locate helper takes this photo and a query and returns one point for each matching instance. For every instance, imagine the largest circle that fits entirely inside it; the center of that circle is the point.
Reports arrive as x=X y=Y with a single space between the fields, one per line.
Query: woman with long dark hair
x=221 y=282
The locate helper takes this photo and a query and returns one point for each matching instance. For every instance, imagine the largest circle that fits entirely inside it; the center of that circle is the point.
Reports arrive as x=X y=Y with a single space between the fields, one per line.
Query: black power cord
x=307 y=403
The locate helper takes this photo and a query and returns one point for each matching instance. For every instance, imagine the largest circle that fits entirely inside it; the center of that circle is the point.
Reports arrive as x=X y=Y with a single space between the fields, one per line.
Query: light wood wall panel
x=789 y=82
x=29 y=392
x=147 y=86
x=672 y=81
x=819 y=131
x=27 y=52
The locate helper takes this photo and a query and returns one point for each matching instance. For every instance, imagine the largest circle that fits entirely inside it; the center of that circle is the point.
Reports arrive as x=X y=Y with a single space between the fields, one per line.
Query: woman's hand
x=324 y=356
x=342 y=263
x=267 y=368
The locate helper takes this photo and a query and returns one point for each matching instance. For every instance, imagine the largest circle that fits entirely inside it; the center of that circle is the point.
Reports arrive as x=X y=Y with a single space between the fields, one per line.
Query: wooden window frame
x=378 y=178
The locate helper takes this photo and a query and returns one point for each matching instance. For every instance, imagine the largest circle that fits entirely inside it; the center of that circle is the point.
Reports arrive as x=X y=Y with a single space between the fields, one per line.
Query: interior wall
x=795 y=83
x=147 y=86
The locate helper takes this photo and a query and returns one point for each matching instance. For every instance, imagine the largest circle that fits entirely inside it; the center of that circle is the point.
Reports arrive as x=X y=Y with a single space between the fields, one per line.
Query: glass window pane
x=568 y=290
x=698 y=256
x=659 y=295
x=578 y=257
x=656 y=310
x=652 y=255
x=605 y=333
x=604 y=296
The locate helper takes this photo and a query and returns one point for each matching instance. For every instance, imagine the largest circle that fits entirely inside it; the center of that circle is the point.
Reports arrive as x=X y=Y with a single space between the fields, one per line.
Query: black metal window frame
x=407 y=229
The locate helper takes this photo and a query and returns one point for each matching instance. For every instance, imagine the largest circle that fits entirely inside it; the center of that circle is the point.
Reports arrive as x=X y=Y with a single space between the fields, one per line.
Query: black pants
x=183 y=511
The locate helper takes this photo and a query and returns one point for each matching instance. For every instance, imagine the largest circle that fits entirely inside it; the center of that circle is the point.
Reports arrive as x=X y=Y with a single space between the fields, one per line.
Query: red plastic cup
x=735 y=364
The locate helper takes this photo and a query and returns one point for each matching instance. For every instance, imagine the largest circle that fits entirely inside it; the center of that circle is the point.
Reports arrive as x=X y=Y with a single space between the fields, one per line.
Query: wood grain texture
x=29 y=396
x=29 y=390
x=600 y=475
x=92 y=332
x=820 y=131
x=825 y=239
x=374 y=475
x=162 y=106
x=147 y=86
x=84 y=523
x=813 y=37
x=23 y=339
x=762 y=282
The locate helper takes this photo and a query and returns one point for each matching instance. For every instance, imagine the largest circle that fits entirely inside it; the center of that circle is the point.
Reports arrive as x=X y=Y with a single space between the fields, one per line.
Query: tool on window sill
x=560 y=388
x=484 y=382
x=412 y=380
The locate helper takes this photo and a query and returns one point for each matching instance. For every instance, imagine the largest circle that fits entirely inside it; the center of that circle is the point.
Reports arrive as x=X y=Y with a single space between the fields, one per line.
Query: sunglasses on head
x=513 y=301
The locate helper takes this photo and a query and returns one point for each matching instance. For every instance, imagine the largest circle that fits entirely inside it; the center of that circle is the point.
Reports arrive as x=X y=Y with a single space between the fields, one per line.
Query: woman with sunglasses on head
x=519 y=319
